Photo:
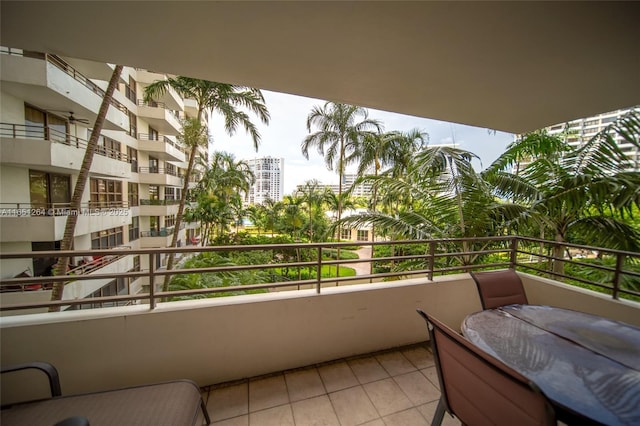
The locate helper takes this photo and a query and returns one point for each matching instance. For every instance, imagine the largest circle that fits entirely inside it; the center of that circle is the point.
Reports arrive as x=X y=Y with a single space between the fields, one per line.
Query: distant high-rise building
x=269 y=183
x=581 y=130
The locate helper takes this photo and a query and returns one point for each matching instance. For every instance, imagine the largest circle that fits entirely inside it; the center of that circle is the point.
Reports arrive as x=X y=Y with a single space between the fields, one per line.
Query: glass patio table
x=588 y=366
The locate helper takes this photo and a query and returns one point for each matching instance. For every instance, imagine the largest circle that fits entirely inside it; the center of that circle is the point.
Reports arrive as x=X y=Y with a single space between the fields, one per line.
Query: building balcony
x=36 y=222
x=158 y=207
x=48 y=81
x=162 y=147
x=155 y=238
x=160 y=117
x=158 y=176
x=44 y=147
x=325 y=326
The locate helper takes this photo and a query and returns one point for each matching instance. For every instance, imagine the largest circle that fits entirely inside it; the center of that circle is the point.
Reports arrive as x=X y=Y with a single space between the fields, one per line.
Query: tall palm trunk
x=183 y=201
x=81 y=183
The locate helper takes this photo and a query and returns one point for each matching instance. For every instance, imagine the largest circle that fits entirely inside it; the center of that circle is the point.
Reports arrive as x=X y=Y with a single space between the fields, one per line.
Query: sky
x=282 y=138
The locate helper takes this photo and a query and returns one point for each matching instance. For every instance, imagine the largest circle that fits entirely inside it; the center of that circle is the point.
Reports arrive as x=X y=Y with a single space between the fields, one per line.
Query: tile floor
x=398 y=387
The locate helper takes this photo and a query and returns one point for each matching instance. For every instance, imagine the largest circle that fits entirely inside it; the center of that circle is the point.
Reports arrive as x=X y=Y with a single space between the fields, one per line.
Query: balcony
x=216 y=341
x=159 y=176
x=158 y=207
x=21 y=222
x=46 y=147
x=49 y=81
x=160 y=117
x=162 y=147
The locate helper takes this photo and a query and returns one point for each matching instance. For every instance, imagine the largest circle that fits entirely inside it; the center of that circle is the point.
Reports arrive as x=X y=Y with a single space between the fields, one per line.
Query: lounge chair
x=174 y=403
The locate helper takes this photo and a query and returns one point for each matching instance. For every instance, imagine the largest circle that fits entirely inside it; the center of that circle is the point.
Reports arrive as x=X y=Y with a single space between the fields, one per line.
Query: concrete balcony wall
x=167 y=210
x=162 y=150
x=47 y=154
x=33 y=228
x=37 y=81
x=222 y=339
x=159 y=179
x=161 y=119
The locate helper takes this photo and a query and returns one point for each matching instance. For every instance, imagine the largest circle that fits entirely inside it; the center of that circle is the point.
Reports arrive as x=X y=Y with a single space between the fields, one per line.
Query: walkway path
x=362 y=268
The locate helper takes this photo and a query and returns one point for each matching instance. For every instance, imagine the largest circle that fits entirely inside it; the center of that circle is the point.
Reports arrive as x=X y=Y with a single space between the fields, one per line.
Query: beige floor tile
x=353 y=406
x=276 y=416
x=267 y=393
x=316 y=411
x=432 y=374
x=337 y=376
x=411 y=417
x=395 y=363
x=228 y=402
x=304 y=384
x=387 y=396
x=419 y=356
x=429 y=409
x=367 y=370
x=376 y=422
x=417 y=387
x=236 y=421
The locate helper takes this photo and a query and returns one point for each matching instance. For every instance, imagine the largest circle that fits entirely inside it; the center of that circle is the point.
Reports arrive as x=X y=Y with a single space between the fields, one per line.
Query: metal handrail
x=158 y=170
x=48 y=133
x=510 y=246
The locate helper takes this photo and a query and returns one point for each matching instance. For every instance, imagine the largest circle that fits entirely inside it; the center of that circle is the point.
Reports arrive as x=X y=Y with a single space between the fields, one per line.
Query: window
x=43 y=125
x=345 y=234
x=170 y=169
x=154 y=192
x=171 y=193
x=363 y=235
x=130 y=90
x=132 y=155
x=153 y=165
x=134 y=229
x=133 y=124
x=49 y=190
x=153 y=134
x=106 y=239
x=132 y=189
x=170 y=221
x=105 y=193
x=154 y=224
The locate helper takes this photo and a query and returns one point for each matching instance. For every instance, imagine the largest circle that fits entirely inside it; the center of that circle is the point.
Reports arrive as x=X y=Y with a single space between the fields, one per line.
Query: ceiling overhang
x=510 y=66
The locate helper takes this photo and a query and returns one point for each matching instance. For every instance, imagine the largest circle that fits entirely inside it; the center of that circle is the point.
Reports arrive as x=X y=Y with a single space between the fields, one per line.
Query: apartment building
x=48 y=104
x=581 y=130
x=269 y=180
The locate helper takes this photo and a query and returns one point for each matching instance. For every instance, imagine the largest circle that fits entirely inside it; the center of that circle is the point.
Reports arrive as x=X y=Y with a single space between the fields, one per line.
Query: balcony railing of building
x=159 y=171
x=611 y=272
x=160 y=138
x=92 y=208
x=68 y=69
x=166 y=202
x=154 y=104
x=48 y=133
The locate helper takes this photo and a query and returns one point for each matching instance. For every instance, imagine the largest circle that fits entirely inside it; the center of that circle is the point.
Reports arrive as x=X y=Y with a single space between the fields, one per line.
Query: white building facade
x=581 y=130
x=48 y=104
x=269 y=180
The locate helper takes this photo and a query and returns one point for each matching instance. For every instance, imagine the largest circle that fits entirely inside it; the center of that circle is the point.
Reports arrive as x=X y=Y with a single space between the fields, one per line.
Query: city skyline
x=287 y=129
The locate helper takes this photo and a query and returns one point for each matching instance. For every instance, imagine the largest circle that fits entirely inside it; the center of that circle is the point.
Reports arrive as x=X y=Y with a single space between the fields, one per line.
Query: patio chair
x=479 y=389
x=172 y=403
x=499 y=288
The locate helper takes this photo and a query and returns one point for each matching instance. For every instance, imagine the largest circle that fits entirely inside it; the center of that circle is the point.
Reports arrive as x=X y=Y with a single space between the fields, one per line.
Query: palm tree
x=72 y=219
x=341 y=128
x=377 y=150
x=211 y=96
x=568 y=191
x=314 y=196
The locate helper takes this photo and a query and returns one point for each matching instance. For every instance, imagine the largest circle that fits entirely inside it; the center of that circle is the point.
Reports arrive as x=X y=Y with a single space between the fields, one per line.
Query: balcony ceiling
x=511 y=66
